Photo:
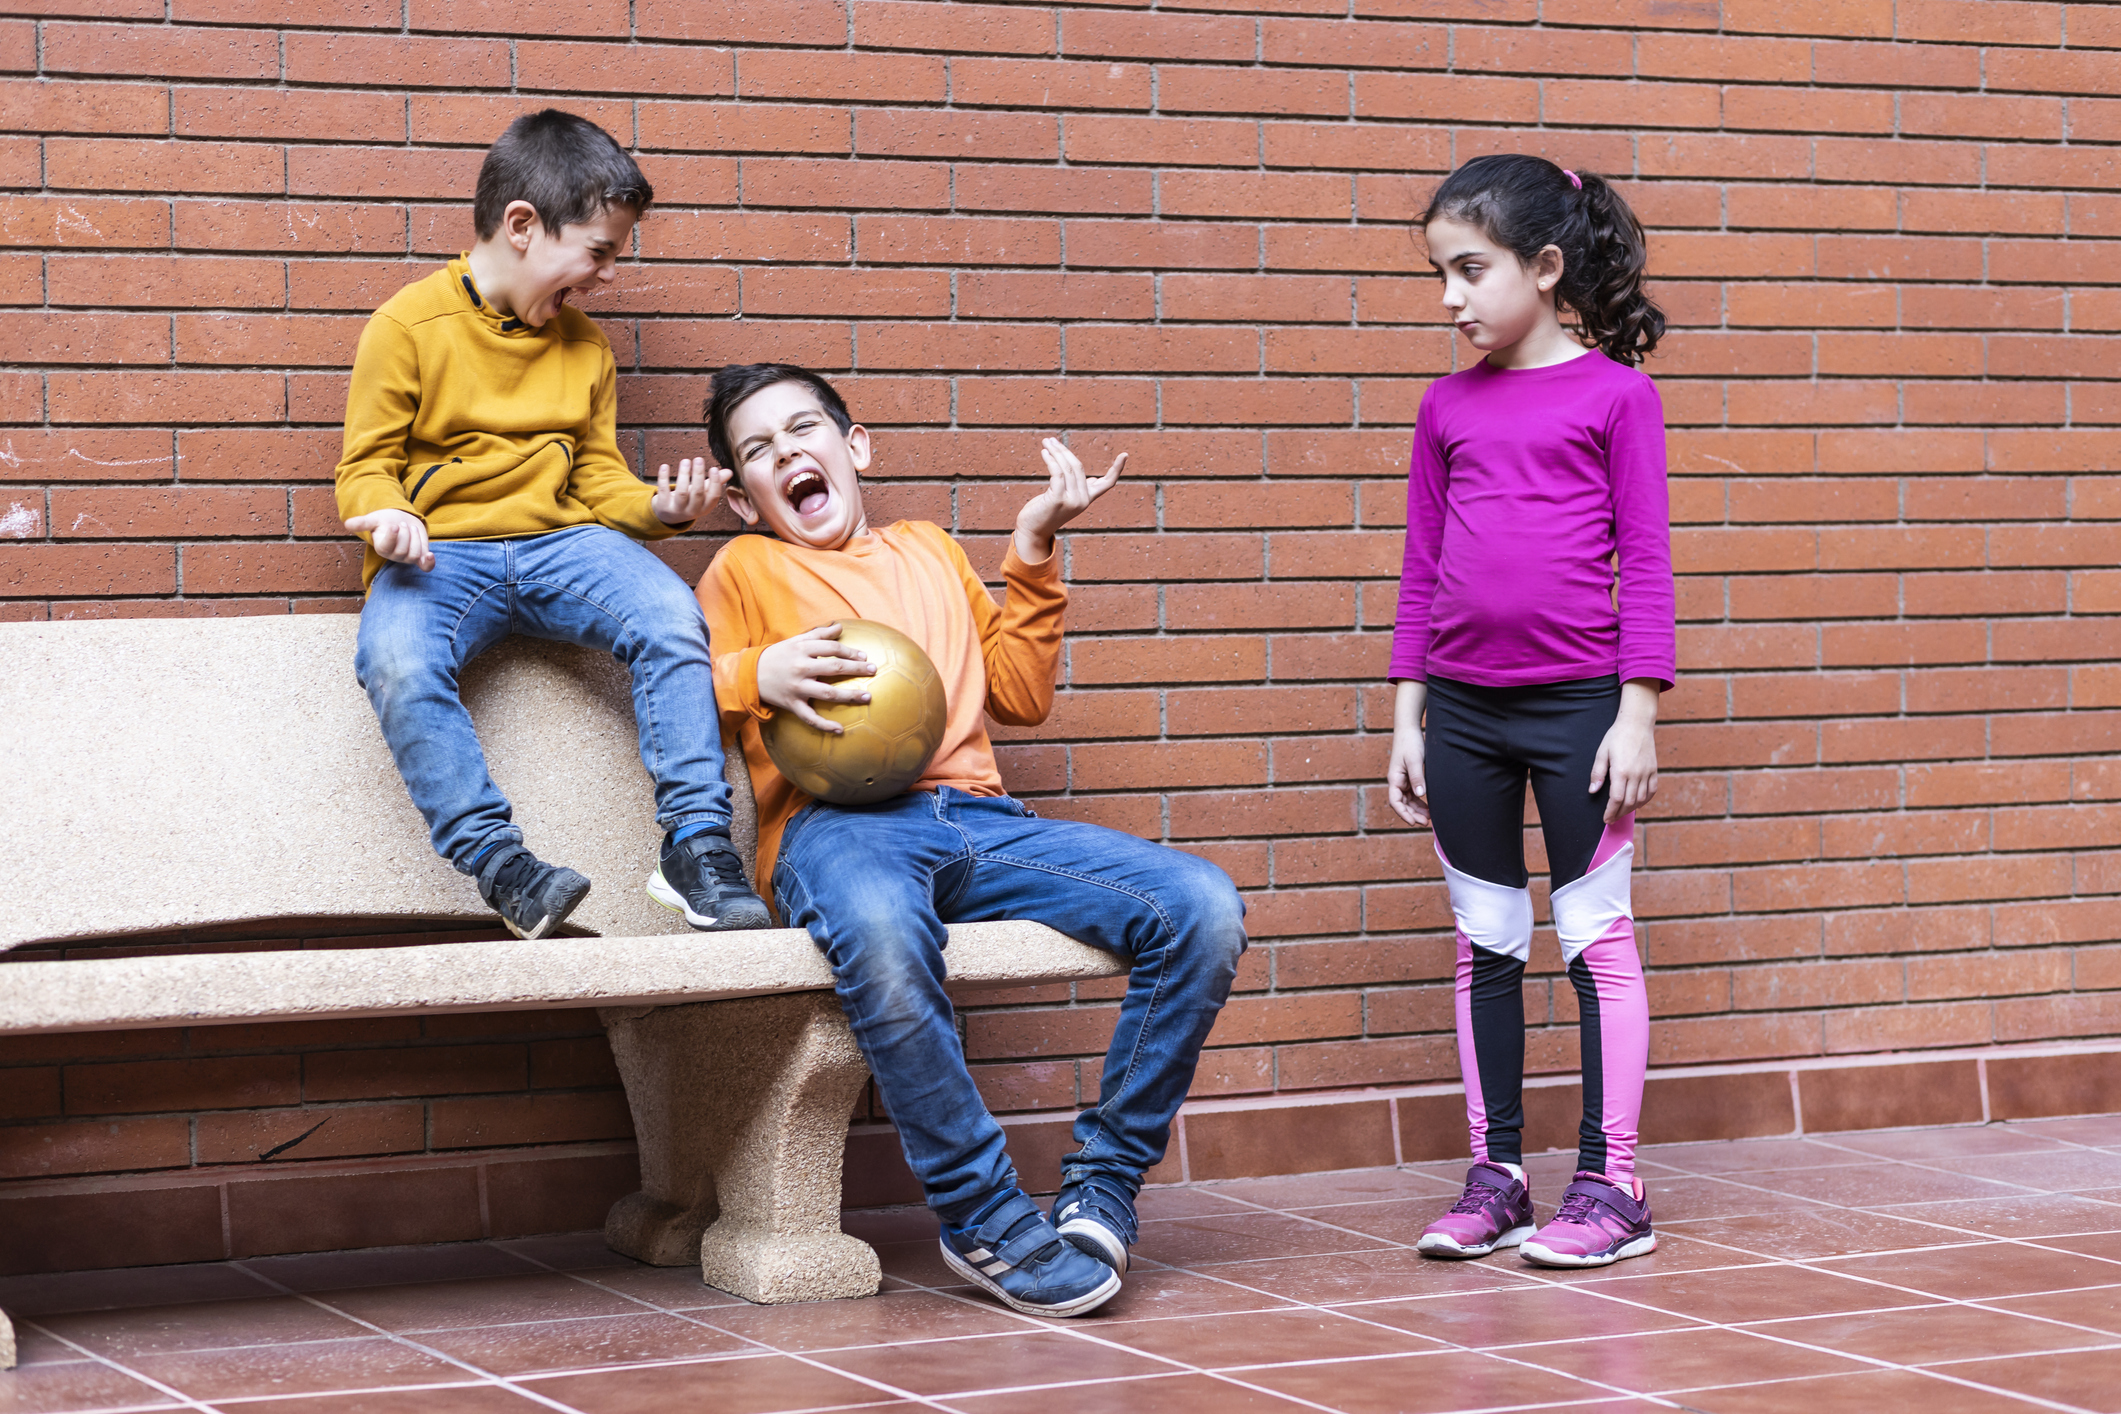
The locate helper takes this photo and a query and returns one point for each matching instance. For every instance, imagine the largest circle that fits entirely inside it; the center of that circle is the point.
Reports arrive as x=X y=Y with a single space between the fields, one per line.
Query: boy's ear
x=733 y=493
x=858 y=450
x=518 y=220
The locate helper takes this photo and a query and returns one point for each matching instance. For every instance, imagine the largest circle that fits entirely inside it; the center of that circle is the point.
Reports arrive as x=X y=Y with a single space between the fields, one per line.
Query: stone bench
x=205 y=772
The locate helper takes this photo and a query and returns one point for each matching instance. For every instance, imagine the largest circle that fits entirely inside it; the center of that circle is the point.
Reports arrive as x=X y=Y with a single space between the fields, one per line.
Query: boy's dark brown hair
x=565 y=166
x=734 y=382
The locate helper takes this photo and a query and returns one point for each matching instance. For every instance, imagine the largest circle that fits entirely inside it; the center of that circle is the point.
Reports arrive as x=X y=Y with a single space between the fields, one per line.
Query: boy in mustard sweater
x=482 y=466
x=874 y=885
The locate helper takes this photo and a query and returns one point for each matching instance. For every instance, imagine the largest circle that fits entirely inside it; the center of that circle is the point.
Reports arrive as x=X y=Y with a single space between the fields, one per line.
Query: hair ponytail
x=1528 y=203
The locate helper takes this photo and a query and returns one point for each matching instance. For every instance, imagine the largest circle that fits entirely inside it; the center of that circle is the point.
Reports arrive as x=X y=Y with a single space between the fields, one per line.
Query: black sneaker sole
x=740 y=917
x=568 y=899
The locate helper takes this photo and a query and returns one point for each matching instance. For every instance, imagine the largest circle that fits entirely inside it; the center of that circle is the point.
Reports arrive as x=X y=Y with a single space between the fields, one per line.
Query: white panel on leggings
x=1493 y=916
x=1584 y=910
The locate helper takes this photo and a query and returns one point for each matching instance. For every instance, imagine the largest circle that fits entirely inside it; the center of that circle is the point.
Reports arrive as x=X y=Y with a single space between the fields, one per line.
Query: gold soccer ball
x=886 y=742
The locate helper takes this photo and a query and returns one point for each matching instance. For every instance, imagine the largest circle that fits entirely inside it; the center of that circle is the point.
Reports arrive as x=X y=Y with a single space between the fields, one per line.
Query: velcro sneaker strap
x=1035 y=1237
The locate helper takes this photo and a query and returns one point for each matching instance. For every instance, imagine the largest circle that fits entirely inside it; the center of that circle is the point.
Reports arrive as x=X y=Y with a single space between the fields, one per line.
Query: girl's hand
x=1628 y=754
x=1406 y=784
x=798 y=671
x=1069 y=492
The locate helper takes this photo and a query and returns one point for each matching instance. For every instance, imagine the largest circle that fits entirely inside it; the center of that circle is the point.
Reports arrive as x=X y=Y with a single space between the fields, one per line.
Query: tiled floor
x=1953 y=1271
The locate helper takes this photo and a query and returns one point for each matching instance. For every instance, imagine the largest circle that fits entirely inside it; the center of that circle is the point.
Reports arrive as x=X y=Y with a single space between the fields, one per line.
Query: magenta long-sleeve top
x=1526 y=483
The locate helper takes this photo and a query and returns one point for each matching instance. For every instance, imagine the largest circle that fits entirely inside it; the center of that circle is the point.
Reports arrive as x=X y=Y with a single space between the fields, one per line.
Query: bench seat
x=233 y=768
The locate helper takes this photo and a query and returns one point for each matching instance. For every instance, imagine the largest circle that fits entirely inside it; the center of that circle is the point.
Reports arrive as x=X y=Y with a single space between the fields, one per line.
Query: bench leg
x=741 y=1110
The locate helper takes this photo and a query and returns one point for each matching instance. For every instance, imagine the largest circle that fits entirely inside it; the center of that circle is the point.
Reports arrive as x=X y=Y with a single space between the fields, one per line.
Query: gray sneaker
x=532 y=897
x=702 y=878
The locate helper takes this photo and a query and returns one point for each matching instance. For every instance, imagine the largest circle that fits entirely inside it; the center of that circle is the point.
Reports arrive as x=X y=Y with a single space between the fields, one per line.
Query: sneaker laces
x=720 y=859
x=516 y=872
x=1475 y=1199
x=1577 y=1206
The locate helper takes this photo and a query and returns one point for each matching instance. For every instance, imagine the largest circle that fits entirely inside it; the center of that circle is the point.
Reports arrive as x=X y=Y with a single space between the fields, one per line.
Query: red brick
x=877 y=293
x=179 y=513
x=83 y=221
x=132 y=164
x=1338 y=43
x=629 y=69
x=971 y=29
x=339 y=14
x=1047 y=83
x=1170 y=245
x=410 y=60
x=860 y=78
x=983 y=294
x=386 y=172
x=794 y=181
x=165 y=52
x=1205 y=142
x=513 y=17
x=931 y=133
x=1062 y=191
x=86 y=338
x=1046 y=402
x=1445 y=98
x=738 y=235
x=168 y=396
x=273 y=569
x=1391 y=147
x=39 y=455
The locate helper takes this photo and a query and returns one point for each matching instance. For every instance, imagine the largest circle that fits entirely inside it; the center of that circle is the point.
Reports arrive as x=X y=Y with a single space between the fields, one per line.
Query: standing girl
x=1534 y=470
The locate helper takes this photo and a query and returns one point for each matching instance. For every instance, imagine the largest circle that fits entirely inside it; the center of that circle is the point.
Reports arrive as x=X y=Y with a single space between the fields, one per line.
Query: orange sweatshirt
x=912 y=576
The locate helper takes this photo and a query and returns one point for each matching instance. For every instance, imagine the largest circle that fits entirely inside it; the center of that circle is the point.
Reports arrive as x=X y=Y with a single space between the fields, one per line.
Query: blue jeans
x=588 y=585
x=874 y=886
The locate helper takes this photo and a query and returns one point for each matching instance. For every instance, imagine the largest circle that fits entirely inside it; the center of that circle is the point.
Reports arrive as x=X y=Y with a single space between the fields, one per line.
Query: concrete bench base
x=741 y=1111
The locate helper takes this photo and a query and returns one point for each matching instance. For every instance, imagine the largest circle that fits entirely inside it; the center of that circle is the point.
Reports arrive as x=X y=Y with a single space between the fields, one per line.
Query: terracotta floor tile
x=1879 y=1390
x=1675 y=1252
x=1883 y=1185
x=758 y=1384
x=1317 y=1190
x=1988 y=1269
x=2030 y=1215
x=1747 y=1155
x=370 y=1362
x=918 y=1262
x=1366 y=1276
x=1519 y=1316
x=1679 y=1199
x=672 y=1288
x=2061 y=1171
x=1156 y=1204
x=1660 y=1361
x=566 y=1251
x=997 y=1362
x=2105 y=1245
x=1811 y=1232
x=875 y=1320
x=1173 y=1394
x=1163 y=1292
x=34 y=1347
x=478 y=1301
x=2099 y=1308
x=1423 y=1384
x=2088 y=1379
x=1265 y=1338
x=462 y=1399
x=1921 y=1335
x=1238 y=1237
x=75 y=1385
x=1756 y=1293
x=127 y=1287
x=388 y=1266
x=2099 y=1131
x=202 y=1325
x=1960 y=1141
x=540 y=1346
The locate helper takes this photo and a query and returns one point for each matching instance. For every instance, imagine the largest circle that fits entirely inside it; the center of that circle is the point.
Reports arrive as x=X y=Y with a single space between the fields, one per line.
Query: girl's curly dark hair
x=1528 y=203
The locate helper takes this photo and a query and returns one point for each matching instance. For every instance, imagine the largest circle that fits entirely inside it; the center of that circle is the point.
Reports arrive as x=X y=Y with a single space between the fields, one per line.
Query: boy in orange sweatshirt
x=874 y=885
x=482 y=465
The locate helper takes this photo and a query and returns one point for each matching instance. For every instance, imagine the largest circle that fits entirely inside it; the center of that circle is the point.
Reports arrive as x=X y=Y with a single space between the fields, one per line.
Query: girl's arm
x=1628 y=754
x=1406 y=781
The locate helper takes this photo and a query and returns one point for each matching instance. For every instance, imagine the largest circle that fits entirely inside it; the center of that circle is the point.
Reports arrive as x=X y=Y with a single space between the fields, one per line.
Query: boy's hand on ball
x=1069 y=492
x=801 y=670
x=691 y=494
x=398 y=536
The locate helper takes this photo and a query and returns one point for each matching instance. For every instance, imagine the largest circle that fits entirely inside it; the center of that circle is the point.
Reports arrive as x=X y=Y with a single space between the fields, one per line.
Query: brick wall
x=1891 y=813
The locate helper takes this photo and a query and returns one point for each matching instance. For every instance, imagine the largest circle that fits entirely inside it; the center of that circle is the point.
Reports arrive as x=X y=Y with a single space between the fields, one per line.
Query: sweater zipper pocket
x=428 y=476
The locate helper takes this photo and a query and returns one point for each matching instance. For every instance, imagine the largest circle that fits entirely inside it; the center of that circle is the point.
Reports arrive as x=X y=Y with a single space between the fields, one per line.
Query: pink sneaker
x=1599 y=1223
x=1494 y=1211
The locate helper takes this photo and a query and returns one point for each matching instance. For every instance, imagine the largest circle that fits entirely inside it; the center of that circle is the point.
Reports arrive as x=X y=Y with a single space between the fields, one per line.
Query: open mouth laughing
x=807 y=491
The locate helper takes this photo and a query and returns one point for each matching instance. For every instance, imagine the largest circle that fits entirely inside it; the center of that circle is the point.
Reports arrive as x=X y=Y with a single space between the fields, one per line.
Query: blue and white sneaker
x=1017 y=1256
x=1099 y=1218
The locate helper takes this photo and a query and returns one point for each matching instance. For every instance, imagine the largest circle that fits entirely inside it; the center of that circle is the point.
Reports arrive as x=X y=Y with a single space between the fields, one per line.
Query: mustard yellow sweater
x=482 y=426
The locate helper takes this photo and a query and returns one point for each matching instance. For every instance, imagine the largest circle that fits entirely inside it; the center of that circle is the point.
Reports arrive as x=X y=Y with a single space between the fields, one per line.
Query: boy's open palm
x=798 y=671
x=691 y=494
x=398 y=536
x=1069 y=492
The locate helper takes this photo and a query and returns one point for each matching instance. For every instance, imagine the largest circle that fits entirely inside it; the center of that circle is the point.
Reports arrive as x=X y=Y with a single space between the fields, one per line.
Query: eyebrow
x=743 y=448
x=1453 y=260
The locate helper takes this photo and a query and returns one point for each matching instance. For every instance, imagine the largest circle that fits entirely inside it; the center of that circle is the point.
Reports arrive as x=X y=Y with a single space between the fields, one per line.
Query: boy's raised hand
x=1069 y=492
x=693 y=494
x=797 y=671
x=396 y=535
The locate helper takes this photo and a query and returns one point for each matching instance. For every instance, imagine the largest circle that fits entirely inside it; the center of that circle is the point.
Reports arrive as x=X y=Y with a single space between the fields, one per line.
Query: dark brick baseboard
x=211 y=1214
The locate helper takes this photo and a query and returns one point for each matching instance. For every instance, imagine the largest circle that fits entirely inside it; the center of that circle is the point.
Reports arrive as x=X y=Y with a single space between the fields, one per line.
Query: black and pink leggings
x=1481 y=744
